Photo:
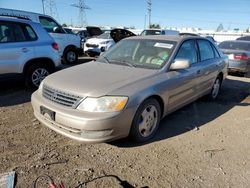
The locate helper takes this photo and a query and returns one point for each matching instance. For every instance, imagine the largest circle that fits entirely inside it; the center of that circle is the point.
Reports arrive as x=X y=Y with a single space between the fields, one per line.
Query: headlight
x=103 y=104
x=40 y=88
x=106 y=42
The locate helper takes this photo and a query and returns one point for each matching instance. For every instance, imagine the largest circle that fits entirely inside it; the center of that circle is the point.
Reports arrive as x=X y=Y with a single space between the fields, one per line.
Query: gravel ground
x=205 y=144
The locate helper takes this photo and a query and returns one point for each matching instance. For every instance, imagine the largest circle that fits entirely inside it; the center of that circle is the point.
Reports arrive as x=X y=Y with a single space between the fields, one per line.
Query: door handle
x=25 y=50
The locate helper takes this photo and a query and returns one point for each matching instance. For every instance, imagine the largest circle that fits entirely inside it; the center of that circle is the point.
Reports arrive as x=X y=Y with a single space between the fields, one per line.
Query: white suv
x=26 y=49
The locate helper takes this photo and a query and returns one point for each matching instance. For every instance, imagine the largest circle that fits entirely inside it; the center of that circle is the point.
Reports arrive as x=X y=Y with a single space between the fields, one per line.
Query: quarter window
x=188 y=51
x=206 y=50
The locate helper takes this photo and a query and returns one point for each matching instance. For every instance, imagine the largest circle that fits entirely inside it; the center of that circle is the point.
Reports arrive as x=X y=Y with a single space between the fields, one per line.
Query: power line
x=82 y=13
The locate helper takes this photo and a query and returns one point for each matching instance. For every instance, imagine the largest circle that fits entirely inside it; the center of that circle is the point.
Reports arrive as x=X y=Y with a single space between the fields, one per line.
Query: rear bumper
x=82 y=126
x=238 y=66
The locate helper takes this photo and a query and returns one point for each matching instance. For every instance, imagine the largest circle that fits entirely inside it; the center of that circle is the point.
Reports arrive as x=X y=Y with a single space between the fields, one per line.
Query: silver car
x=238 y=52
x=130 y=88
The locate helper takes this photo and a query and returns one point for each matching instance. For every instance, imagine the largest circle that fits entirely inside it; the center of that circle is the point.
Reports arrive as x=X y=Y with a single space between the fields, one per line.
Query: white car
x=27 y=51
x=103 y=42
x=98 y=44
x=69 y=44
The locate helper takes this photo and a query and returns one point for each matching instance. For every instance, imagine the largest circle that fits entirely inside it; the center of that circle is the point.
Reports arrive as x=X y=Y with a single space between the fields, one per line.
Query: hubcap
x=38 y=75
x=148 y=121
x=71 y=56
x=216 y=88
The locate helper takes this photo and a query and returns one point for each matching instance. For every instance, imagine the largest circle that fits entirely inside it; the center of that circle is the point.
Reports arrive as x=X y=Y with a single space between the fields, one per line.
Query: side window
x=48 y=24
x=206 y=50
x=188 y=51
x=6 y=33
x=216 y=53
x=14 y=32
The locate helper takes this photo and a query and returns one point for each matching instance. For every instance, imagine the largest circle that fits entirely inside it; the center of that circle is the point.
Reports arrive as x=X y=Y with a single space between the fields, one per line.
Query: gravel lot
x=205 y=144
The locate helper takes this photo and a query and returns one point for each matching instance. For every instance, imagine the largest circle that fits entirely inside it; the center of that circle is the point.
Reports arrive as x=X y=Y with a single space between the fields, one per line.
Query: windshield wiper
x=123 y=62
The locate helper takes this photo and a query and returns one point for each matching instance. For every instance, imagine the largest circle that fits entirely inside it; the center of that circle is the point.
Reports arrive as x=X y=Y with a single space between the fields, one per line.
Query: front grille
x=60 y=97
x=92 y=45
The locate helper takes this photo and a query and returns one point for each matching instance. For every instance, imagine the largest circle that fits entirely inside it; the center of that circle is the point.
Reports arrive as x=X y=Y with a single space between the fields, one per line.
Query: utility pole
x=49 y=7
x=43 y=6
x=149 y=3
x=82 y=13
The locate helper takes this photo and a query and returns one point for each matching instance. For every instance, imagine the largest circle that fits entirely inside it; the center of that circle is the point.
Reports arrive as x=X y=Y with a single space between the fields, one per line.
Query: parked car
x=94 y=46
x=238 y=53
x=26 y=51
x=245 y=38
x=159 y=32
x=132 y=87
x=69 y=44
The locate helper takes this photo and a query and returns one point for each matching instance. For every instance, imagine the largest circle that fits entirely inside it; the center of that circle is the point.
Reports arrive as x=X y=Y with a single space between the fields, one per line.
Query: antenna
x=149 y=3
x=82 y=13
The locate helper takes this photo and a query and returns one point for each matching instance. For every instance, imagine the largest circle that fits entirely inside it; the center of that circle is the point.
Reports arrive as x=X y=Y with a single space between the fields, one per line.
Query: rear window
x=235 y=45
x=151 y=32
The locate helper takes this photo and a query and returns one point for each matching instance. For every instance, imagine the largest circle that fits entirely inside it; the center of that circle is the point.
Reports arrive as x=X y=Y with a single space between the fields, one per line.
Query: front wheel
x=146 y=121
x=70 y=56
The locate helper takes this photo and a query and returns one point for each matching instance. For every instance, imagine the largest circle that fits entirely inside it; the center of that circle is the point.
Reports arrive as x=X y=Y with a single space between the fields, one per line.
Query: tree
x=155 y=26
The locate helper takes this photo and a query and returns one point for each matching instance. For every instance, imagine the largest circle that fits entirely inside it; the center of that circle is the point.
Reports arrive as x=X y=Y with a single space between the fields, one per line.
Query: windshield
x=104 y=36
x=152 y=54
x=233 y=45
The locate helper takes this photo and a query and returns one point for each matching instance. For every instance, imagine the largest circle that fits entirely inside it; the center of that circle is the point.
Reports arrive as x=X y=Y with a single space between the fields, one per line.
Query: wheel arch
x=42 y=60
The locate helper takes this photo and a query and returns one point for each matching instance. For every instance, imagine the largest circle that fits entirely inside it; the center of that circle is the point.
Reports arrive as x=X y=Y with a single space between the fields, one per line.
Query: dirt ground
x=205 y=144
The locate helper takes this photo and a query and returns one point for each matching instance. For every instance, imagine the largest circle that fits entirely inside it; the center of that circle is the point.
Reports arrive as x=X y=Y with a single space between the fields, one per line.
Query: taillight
x=241 y=57
x=55 y=46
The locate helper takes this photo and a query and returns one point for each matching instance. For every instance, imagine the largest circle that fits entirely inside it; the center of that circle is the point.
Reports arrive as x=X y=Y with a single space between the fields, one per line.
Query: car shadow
x=13 y=93
x=193 y=116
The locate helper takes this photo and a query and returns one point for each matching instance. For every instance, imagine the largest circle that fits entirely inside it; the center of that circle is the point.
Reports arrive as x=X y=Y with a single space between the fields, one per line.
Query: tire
x=70 y=56
x=247 y=75
x=146 y=121
x=215 y=89
x=35 y=74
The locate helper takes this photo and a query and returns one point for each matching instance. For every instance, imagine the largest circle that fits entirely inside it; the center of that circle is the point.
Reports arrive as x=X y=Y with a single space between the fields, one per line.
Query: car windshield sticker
x=163 y=45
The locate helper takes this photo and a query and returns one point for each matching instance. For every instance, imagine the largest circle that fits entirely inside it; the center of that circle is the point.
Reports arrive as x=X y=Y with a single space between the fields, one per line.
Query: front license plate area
x=49 y=114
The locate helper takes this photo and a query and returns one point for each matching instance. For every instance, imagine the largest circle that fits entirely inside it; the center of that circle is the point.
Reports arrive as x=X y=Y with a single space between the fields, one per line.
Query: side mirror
x=180 y=64
x=57 y=30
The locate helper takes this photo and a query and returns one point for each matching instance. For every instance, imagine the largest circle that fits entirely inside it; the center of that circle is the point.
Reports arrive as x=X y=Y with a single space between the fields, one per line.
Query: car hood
x=119 y=34
x=97 y=40
x=96 y=79
x=94 y=31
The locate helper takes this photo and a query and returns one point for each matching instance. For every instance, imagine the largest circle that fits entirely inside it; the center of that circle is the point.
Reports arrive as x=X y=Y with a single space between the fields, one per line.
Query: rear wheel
x=215 y=89
x=35 y=75
x=146 y=121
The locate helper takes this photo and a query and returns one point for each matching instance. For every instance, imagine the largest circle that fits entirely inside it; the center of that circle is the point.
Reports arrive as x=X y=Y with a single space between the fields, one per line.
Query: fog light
x=96 y=134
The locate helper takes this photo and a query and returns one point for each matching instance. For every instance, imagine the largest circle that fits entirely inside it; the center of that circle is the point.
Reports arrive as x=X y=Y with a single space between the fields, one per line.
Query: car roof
x=175 y=38
x=14 y=19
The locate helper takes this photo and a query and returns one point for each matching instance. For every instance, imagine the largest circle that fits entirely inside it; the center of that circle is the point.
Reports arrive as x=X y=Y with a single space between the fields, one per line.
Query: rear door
x=16 y=46
x=184 y=83
x=207 y=68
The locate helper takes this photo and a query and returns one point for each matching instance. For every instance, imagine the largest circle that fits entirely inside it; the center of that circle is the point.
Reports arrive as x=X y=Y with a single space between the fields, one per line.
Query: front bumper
x=83 y=126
